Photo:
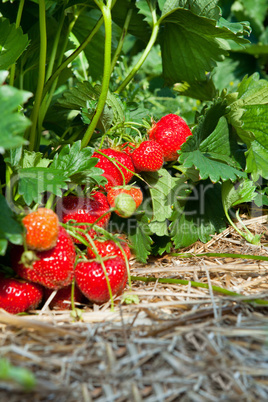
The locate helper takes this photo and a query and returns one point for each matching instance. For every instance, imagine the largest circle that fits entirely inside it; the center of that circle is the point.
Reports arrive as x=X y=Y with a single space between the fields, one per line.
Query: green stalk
x=72 y=56
x=147 y=50
x=41 y=75
x=121 y=40
x=106 y=12
x=18 y=20
x=222 y=255
x=198 y=285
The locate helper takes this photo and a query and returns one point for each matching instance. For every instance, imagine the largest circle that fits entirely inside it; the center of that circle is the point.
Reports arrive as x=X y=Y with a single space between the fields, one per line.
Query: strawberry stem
x=198 y=285
x=107 y=17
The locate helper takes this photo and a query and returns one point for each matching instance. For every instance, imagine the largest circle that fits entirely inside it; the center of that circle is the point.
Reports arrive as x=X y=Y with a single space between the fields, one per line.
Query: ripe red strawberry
x=107 y=248
x=90 y=279
x=53 y=268
x=42 y=229
x=171 y=131
x=148 y=157
x=111 y=169
x=85 y=210
x=62 y=296
x=18 y=296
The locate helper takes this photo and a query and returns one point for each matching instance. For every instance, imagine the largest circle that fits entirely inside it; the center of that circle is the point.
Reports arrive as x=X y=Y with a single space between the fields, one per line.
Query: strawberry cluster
x=53 y=257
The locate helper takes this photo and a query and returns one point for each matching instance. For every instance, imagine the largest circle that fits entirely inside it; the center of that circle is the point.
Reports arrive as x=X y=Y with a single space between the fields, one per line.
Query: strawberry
x=107 y=248
x=85 y=210
x=90 y=278
x=53 y=268
x=135 y=193
x=18 y=296
x=112 y=173
x=42 y=229
x=148 y=157
x=171 y=131
x=62 y=296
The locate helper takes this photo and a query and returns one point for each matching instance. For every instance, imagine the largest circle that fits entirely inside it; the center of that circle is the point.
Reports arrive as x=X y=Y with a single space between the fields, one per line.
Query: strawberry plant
x=87 y=90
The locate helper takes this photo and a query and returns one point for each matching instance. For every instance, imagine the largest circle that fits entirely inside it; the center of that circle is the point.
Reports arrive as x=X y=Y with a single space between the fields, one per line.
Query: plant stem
x=41 y=75
x=121 y=40
x=72 y=56
x=198 y=285
x=147 y=50
x=222 y=255
x=106 y=12
x=18 y=20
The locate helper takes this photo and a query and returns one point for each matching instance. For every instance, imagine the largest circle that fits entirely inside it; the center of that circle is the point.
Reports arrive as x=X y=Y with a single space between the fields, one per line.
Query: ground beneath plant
x=180 y=343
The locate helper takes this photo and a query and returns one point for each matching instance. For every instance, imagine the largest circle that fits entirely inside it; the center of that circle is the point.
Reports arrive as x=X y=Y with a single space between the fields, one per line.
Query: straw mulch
x=178 y=344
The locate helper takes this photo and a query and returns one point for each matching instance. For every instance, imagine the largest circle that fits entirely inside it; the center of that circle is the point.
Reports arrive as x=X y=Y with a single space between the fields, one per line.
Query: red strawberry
x=42 y=229
x=62 y=296
x=90 y=279
x=111 y=169
x=108 y=248
x=85 y=210
x=171 y=131
x=148 y=157
x=53 y=268
x=17 y=296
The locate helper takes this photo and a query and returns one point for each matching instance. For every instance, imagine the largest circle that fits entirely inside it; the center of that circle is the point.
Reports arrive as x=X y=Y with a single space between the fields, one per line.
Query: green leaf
x=201 y=217
x=249 y=115
x=193 y=44
x=33 y=159
x=235 y=194
x=84 y=97
x=159 y=228
x=12 y=43
x=207 y=8
x=12 y=123
x=139 y=237
x=161 y=184
x=78 y=164
x=202 y=90
x=10 y=229
x=33 y=182
x=214 y=157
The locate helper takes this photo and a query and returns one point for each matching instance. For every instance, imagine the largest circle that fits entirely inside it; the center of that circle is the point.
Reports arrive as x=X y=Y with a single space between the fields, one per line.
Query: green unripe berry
x=125 y=205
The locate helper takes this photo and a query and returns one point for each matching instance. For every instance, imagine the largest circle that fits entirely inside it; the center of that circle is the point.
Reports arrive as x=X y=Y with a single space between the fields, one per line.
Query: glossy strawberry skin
x=111 y=171
x=62 y=296
x=171 y=131
x=54 y=268
x=135 y=193
x=42 y=229
x=148 y=157
x=85 y=210
x=18 y=296
x=90 y=279
x=108 y=248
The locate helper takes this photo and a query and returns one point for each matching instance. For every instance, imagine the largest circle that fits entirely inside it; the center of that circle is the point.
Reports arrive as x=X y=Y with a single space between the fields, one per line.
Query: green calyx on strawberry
x=91 y=279
x=120 y=198
x=53 y=268
x=117 y=166
x=19 y=296
x=148 y=157
x=170 y=132
x=85 y=210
